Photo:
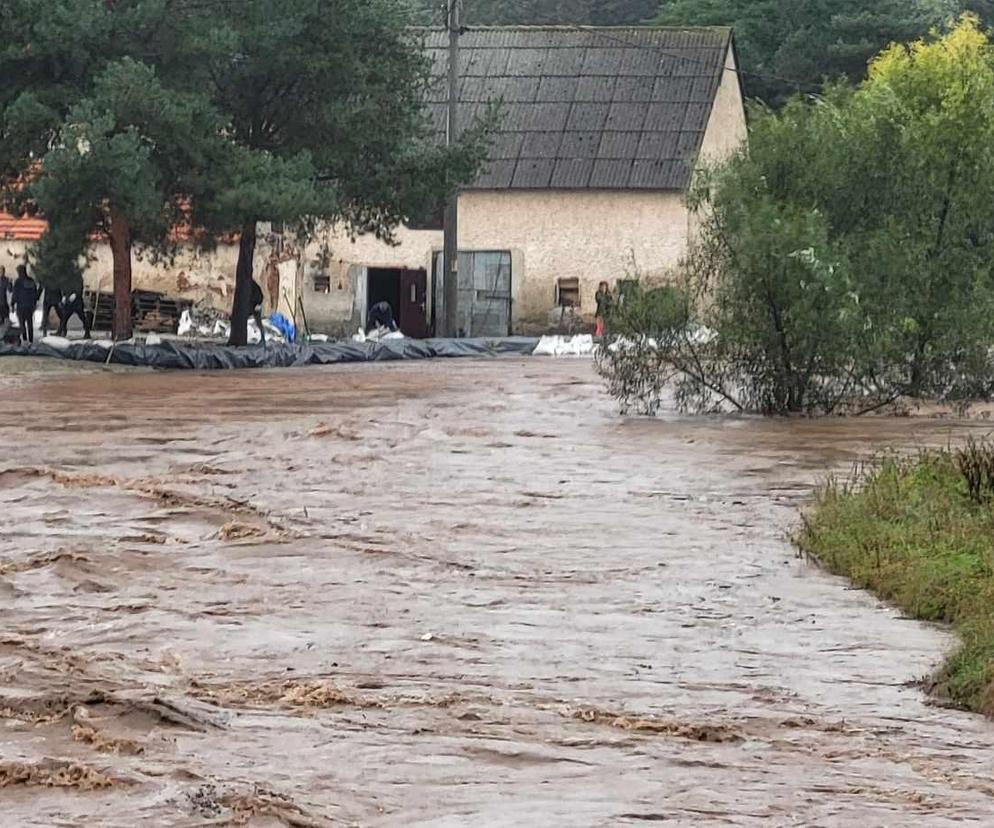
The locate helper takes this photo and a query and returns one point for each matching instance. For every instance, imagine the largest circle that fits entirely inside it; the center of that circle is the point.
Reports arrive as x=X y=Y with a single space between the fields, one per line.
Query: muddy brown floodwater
x=448 y=593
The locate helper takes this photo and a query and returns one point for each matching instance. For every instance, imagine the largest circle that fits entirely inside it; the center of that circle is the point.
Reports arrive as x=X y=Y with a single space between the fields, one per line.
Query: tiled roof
x=604 y=108
x=26 y=229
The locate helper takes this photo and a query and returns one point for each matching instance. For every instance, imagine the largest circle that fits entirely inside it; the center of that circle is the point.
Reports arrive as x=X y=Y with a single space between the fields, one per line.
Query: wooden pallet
x=150 y=311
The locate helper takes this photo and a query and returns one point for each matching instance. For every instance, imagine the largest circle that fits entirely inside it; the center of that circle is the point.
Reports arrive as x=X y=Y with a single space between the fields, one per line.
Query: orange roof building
x=24 y=229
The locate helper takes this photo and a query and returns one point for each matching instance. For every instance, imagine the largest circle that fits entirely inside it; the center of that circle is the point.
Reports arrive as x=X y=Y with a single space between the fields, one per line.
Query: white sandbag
x=60 y=343
x=580 y=345
x=185 y=327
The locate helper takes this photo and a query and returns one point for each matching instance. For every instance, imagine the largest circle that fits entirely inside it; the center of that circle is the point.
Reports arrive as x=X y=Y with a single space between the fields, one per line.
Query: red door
x=413 y=320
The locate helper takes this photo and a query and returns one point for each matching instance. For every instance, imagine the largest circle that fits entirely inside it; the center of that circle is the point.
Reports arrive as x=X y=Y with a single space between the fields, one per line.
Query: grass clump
x=919 y=532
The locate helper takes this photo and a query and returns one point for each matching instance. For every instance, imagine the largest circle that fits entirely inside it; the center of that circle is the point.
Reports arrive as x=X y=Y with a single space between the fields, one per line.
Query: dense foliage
x=129 y=118
x=846 y=259
x=533 y=12
x=787 y=46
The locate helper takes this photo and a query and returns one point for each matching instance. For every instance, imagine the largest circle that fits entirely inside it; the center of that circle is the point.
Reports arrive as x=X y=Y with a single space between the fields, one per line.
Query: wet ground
x=448 y=593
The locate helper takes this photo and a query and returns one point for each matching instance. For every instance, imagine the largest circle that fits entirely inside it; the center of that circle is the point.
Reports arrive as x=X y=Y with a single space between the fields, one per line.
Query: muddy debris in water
x=85 y=730
x=330 y=430
x=224 y=806
x=55 y=773
x=287 y=694
x=146 y=487
x=233 y=530
x=660 y=727
x=40 y=561
x=305 y=696
x=41 y=709
x=207 y=470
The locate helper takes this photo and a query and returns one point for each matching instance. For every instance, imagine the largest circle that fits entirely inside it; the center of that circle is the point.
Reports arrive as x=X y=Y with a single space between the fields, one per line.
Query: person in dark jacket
x=257 y=300
x=25 y=302
x=4 y=296
x=380 y=316
x=72 y=304
x=51 y=302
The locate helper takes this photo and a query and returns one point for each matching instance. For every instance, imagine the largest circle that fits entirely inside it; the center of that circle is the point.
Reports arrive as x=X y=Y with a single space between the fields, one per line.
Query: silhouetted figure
x=380 y=316
x=51 y=302
x=257 y=300
x=25 y=302
x=72 y=305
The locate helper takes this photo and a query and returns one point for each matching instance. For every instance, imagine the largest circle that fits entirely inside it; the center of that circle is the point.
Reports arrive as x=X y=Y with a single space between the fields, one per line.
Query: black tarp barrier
x=204 y=356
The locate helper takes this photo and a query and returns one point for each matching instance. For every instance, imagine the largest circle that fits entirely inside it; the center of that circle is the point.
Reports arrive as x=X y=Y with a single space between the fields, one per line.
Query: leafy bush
x=847 y=258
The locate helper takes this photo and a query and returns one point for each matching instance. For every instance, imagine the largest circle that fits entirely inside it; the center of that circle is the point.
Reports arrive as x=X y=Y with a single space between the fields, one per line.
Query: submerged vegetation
x=919 y=533
x=844 y=261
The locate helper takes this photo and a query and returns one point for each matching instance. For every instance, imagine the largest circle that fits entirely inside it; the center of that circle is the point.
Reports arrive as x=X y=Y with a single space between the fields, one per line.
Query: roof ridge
x=579 y=27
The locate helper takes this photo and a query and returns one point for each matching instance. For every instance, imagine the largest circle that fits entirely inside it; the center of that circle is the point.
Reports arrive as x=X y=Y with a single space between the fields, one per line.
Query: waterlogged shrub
x=846 y=259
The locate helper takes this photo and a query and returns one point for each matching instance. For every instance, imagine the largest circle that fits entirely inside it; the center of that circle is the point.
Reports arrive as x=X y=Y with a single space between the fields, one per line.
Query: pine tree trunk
x=241 y=307
x=120 y=245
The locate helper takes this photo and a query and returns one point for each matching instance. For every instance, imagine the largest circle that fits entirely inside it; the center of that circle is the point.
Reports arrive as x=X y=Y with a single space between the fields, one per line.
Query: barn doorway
x=406 y=293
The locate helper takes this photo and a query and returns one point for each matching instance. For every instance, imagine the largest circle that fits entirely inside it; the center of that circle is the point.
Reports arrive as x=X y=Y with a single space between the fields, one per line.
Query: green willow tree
x=847 y=259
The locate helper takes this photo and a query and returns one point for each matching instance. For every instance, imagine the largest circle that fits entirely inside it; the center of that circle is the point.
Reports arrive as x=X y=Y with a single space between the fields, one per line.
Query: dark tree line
x=784 y=46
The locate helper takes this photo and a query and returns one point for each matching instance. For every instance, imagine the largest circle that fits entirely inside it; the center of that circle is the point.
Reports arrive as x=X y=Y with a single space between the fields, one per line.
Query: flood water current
x=449 y=593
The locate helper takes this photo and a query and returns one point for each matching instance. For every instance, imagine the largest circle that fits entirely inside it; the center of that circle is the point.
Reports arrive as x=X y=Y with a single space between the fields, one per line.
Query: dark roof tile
x=658 y=145
x=572 y=173
x=497 y=175
x=595 y=89
x=587 y=116
x=626 y=116
x=540 y=144
x=610 y=174
x=579 y=144
x=619 y=145
x=555 y=89
x=609 y=108
x=533 y=173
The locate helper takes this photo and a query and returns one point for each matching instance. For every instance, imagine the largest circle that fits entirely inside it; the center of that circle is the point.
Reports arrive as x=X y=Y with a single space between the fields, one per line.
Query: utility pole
x=450 y=254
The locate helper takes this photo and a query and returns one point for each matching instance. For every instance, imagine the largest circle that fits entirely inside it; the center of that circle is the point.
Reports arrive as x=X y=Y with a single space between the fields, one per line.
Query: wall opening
x=568 y=293
x=406 y=293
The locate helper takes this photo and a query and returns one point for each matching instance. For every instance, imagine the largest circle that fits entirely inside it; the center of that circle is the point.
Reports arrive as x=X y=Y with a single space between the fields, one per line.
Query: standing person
x=257 y=300
x=72 y=303
x=604 y=302
x=52 y=301
x=4 y=296
x=26 y=302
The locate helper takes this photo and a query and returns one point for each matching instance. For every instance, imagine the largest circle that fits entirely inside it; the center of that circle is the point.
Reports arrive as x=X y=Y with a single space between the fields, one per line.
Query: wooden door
x=412 y=316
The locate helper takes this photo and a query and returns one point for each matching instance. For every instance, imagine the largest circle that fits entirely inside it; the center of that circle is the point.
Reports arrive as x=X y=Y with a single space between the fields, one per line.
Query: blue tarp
x=204 y=356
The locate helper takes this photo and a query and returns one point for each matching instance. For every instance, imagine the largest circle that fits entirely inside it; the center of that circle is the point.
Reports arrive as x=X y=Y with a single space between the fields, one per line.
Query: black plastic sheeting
x=205 y=356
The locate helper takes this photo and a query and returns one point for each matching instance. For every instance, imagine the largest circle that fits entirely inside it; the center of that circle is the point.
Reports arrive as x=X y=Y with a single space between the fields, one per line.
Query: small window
x=322 y=283
x=568 y=293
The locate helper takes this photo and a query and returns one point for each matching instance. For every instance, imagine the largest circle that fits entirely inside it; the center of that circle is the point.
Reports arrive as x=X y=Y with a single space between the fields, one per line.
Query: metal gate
x=484 y=293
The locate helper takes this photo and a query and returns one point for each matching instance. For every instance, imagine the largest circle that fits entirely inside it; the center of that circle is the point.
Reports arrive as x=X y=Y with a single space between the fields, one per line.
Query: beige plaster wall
x=588 y=235
x=726 y=130
x=189 y=275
